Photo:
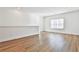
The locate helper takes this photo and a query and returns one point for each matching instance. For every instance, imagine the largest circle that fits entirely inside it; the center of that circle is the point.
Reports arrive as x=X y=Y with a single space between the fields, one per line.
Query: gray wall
x=71 y=23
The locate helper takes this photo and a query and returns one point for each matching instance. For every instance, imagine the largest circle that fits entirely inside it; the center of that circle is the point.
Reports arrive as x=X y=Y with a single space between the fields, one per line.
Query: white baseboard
x=64 y=32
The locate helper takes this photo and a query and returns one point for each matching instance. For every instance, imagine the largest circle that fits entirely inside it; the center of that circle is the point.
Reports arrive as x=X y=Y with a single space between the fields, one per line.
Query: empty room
x=39 y=29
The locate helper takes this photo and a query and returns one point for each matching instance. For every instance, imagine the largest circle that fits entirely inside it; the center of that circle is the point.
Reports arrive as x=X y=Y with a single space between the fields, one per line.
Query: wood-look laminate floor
x=45 y=42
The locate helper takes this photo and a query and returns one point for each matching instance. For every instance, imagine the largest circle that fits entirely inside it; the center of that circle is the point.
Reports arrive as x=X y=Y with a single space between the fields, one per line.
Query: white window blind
x=57 y=23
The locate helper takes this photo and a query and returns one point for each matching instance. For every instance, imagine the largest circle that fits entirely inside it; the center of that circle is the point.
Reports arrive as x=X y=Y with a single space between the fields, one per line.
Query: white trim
x=64 y=32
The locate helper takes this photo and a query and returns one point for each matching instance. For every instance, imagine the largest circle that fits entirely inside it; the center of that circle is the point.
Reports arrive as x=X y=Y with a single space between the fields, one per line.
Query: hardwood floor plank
x=46 y=42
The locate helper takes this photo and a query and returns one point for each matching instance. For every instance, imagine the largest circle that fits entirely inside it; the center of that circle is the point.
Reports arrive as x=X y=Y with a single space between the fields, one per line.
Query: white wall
x=71 y=23
x=15 y=24
x=41 y=24
x=14 y=17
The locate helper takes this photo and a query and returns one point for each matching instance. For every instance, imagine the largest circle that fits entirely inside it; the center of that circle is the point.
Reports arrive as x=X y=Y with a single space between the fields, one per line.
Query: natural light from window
x=57 y=23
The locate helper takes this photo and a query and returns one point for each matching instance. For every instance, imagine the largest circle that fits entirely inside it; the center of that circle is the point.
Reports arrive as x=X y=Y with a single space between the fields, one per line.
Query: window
x=57 y=23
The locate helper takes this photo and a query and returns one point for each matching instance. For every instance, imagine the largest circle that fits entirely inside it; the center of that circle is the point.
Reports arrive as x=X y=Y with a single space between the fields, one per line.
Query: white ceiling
x=42 y=10
x=48 y=9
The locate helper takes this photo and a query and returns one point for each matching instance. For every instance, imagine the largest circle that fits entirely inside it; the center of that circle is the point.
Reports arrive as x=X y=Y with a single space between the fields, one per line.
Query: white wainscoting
x=13 y=32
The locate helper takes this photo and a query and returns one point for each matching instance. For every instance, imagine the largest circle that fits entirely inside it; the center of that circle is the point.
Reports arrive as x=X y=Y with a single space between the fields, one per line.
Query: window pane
x=57 y=23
